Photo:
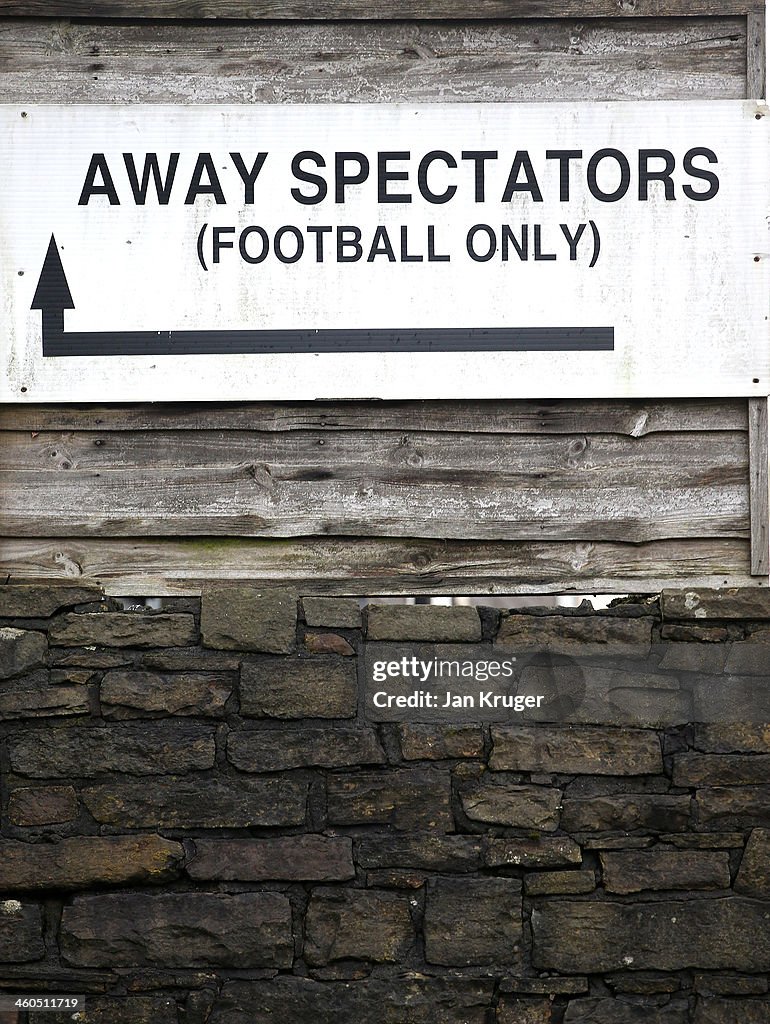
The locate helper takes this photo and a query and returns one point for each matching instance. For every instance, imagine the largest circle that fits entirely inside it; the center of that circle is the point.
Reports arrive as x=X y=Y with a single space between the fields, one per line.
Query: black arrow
x=52 y=296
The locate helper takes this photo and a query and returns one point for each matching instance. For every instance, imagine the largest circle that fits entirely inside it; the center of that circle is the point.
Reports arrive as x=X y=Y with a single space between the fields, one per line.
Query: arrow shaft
x=506 y=339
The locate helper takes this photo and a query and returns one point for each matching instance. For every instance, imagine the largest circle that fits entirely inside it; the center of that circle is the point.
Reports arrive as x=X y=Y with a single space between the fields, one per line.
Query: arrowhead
x=52 y=290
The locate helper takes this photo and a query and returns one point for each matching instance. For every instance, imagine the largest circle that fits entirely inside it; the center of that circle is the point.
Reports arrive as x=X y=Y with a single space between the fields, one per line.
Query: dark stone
x=191 y=802
x=238 y=618
x=592 y=937
x=408 y=997
x=309 y=858
x=638 y=870
x=34 y=697
x=732 y=1011
x=328 y=643
x=738 y=807
x=544 y=852
x=269 y=750
x=88 y=860
x=430 y=623
x=315 y=687
x=754 y=873
x=395 y=878
x=697 y=603
x=21 y=650
x=498 y=803
x=83 y=657
x=129 y=930
x=189 y=659
x=408 y=800
x=42 y=805
x=342 y=612
x=517 y=1010
x=720 y=769
x=440 y=742
x=123 y=694
x=645 y=983
x=473 y=922
x=426 y=852
x=41 y=600
x=357 y=924
x=702 y=658
x=696 y=634
x=618 y=1011
x=626 y=812
x=146 y=748
x=559 y=883
x=751 y=658
x=732 y=737
x=129 y=1010
x=21 y=932
x=703 y=841
x=585 y=750
x=548 y=986
x=729 y=985
x=123 y=629
x=575 y=635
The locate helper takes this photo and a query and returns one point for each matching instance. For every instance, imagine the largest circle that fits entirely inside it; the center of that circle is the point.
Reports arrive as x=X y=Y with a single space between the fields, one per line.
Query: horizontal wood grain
x=490 y=61
x=380 y=566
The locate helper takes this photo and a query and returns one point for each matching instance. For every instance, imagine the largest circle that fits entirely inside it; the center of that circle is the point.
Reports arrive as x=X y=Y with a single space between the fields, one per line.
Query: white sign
x=444 y=251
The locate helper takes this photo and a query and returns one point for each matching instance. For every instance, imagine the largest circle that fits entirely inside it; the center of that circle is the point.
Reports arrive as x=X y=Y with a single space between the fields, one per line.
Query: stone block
x=238 y=618
x=247 y=930
x=270 y=750
x=88 y=860
x=146 y=748
x=188 y=659
x=732 y=737
x=407 y=998
x=21 y=932
x=566 y=634
x=357 y=924
x=35 y=697
x=191 y=802
x=328 y=643
x=732 y=1011
x=21 y=651
x=473 y=922
x=440 y=742
x=42 y=805
x=123 y=629
x=721 y=769
x=430 y=623
x=127 y=1010
x=727 y=807
x=317 y=687
x=409 y=800
x=593 y=937
x=521 y=1010
x=339 y=612
x=559 y=883
x=626 y=812
x=499 y=803
x=734 y=603
x=640 y=870
x=730 y=985
x=424 y=852
x=544 y=852
x=754 y=873
x=308 y=858
x=41 y=600
x=618 y=1011
x=580 y=751
x=126 y=694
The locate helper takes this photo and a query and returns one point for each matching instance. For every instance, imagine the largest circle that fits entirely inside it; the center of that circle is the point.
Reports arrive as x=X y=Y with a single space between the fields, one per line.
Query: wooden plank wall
x=438 y=497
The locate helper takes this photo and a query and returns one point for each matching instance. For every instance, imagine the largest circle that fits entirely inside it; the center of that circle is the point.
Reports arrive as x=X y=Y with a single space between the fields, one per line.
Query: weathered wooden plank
x=386 y=62
x=378 y=10
x=380 y=567
x=755 y=55
x=248 y=501
x=632 y=418
x=582 y=460
x=759 y=486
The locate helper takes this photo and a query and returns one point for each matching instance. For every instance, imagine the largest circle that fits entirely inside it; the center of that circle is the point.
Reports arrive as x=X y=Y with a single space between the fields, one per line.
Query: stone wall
x=199 y=825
